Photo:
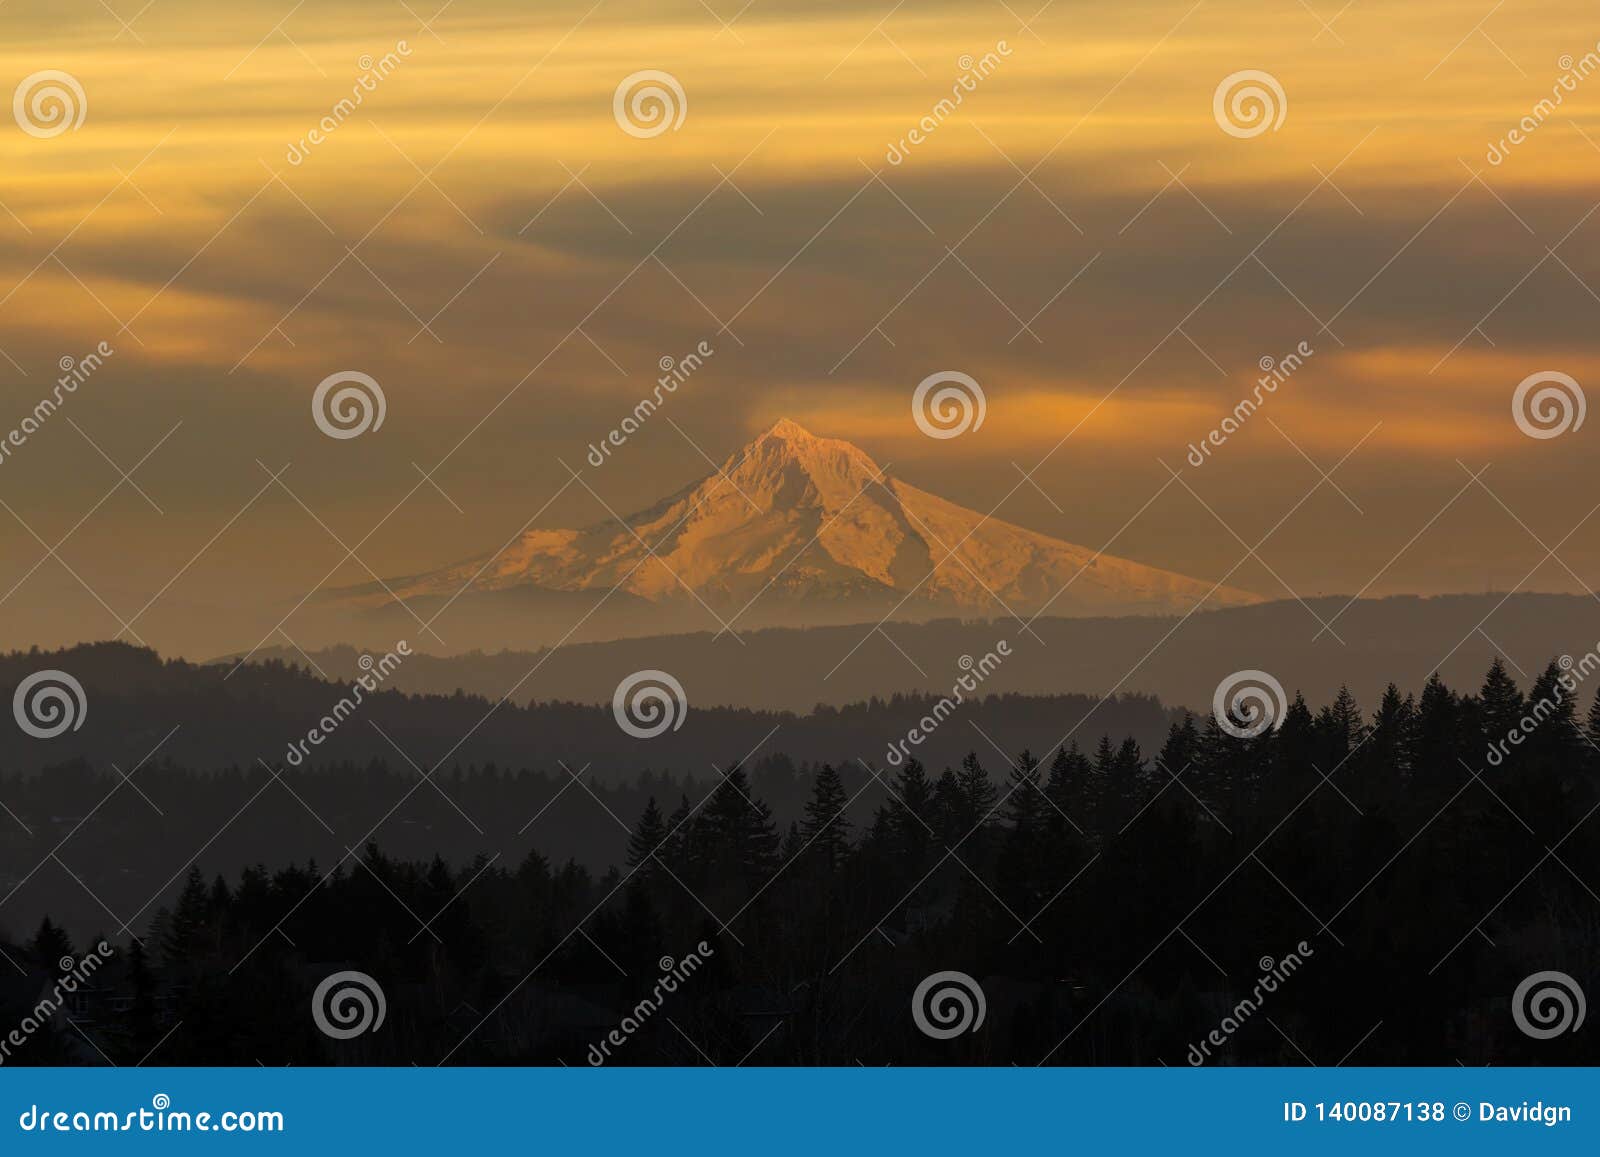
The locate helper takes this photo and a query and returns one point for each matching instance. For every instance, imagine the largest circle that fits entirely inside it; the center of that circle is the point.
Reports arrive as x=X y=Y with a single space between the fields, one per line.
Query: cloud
x=1078 y=234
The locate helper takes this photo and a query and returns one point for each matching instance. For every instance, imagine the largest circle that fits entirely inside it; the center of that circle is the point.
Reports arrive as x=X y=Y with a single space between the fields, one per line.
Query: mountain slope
x=813 y=526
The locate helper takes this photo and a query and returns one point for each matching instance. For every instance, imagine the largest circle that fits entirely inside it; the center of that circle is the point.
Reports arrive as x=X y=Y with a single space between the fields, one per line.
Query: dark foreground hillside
x=1355 y=886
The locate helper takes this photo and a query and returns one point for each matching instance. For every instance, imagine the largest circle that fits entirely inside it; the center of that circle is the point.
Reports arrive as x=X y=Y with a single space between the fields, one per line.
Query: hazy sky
x=1080 y=235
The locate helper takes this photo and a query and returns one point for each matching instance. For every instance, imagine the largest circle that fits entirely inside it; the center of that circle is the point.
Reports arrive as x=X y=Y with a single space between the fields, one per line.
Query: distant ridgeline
x=1370 y=643
x=209 y=717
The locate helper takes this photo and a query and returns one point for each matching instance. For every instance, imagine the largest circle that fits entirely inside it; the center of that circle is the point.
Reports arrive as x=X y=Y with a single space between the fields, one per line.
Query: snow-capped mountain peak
x=809 y=529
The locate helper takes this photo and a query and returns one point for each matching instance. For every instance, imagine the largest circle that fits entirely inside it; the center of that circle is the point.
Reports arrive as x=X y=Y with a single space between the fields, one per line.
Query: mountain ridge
x=807 y=523
x=1404 y=638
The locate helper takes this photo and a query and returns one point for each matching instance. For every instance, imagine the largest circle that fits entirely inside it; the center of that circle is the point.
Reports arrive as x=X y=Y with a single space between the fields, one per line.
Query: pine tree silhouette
x=1389 y=840
x=824 y=830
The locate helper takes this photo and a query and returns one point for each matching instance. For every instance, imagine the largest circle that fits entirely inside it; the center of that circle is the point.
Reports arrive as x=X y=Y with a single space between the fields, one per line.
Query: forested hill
x=211 y=717
x=1112 y=905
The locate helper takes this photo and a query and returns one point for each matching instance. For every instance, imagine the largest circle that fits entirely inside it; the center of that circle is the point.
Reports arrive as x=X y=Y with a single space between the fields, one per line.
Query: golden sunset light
x=258 y=200
x=946 y=556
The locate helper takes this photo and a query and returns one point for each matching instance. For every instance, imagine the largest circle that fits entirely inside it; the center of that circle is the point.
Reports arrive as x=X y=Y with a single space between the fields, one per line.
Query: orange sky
x=1080 y=235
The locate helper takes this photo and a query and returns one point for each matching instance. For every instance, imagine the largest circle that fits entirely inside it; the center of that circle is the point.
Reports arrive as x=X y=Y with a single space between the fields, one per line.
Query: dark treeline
x=108 y=833
x=1114 y=905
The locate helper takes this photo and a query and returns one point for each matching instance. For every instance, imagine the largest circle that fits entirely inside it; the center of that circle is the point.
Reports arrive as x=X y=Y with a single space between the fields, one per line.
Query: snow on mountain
x=811 y=522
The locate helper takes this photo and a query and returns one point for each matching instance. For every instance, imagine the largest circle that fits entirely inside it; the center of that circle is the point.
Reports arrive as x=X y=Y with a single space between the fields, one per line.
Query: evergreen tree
x=1214 y=780
x=1385 y=763
x=736 y=831
x=185 y=941
x=1180 y=750
x=682 y=853
x=978 y=794
x=1099 y=788
x=646 y=840
x=1070 y=787
x=793 y=845
x=949 y=809
x=1021 y=857
x=1126 y=784
x=911 y=824
x=50 y=946
x=1024 y=799
x=1591 y=733
x=1301 y=753
x=825 y=828
x=1346 y=729
x=1552 y=745
x=1502 y=701
x=1437 y=770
